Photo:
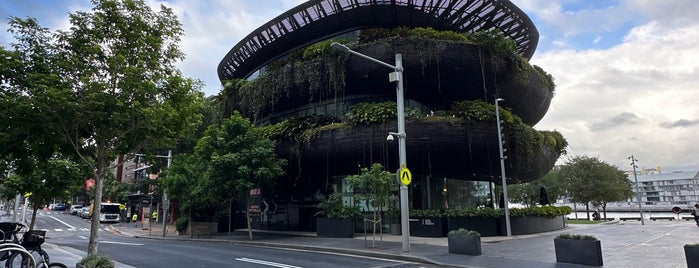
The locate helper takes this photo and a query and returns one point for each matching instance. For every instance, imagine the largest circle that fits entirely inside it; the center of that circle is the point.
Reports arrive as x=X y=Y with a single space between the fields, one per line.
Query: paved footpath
x=624 y=244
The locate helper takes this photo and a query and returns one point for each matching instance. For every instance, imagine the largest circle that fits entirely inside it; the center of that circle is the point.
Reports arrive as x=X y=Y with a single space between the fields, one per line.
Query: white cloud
x=638 y=97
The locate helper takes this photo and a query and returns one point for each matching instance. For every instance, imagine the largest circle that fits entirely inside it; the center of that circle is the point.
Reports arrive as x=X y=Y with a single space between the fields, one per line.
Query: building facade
x=330 y=112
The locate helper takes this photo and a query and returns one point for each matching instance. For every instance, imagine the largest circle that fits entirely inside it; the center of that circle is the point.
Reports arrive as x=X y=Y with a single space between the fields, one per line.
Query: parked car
x=59 y=207
x=85 y=212
x=74 y=209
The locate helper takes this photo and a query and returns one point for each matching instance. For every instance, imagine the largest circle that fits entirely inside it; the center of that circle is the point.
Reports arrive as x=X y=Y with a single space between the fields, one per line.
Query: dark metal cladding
x=316 y=20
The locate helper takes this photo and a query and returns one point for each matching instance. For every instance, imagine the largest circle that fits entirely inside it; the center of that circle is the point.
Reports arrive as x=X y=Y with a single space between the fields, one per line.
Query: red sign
x=89 y=183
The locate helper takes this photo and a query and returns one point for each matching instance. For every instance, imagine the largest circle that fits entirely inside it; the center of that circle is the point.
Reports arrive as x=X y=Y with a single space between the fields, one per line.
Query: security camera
x=390 y=138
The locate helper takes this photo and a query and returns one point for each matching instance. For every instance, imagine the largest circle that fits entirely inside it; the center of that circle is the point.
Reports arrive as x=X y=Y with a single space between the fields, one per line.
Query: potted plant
x=339 y=218
x=691 y=254
x=95 y=261
x=578 y=249
x=464 y=241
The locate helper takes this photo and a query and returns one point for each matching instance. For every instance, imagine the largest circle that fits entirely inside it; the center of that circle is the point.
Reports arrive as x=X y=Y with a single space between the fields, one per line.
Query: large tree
x=593 y=180
x=111 y=86
x=231 y=159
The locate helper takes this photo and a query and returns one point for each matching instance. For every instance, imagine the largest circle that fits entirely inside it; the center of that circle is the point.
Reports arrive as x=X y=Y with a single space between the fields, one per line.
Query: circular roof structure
x=316 y=20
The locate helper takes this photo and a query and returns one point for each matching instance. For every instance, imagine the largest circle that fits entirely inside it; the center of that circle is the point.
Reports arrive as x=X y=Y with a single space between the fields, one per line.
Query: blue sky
x=627 y=71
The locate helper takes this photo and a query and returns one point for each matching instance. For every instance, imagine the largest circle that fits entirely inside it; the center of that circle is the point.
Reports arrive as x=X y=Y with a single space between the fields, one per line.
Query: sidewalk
x=624 y=244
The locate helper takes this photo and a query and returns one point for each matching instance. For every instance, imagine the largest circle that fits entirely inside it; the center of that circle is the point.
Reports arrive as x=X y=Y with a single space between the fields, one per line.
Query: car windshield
x=111 y=209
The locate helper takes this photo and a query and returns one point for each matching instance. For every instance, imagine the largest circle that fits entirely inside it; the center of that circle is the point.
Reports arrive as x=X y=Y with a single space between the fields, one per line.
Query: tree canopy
x=107 y=86
x=593 y=180
x=231 y=159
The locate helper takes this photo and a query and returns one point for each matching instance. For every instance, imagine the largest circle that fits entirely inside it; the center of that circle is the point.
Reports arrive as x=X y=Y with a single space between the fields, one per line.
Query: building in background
x=285 y=74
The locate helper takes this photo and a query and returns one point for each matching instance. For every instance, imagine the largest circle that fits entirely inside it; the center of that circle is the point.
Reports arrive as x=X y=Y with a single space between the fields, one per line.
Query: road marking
x=121 y=243
x=268 y=263
x=82 y=237
x=64 y=223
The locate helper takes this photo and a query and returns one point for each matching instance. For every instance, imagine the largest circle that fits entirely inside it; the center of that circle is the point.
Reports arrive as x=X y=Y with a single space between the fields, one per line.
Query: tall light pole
x=638 y=190
x=396 y=76
x=502 y=168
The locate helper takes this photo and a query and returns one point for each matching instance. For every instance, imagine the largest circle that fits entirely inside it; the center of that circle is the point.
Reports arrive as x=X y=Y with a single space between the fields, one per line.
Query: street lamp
x=502 y=169
x=396 y=76
x=638 y=191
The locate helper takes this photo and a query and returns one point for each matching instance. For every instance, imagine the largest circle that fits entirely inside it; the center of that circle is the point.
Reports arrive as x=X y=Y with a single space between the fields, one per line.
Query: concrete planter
x=691 y=254
x=335 y=227
x=427 y=227
x=464 y=244
x=532 y=224
x=484 y=226
x=587 y=252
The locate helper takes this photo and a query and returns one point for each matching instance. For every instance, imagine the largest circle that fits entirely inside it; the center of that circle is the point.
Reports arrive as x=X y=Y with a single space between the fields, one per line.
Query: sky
x=627 y=71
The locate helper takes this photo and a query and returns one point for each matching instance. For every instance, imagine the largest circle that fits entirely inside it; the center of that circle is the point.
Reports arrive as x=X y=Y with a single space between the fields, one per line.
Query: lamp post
x=396 y=76
x=638 y=190
x=502 y=169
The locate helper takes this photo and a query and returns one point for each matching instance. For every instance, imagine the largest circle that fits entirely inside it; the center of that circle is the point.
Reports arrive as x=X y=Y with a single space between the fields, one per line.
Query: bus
x=110 y=212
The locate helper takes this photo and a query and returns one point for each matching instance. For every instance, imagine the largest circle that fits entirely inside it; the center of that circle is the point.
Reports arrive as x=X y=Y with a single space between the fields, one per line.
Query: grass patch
x=584 y=222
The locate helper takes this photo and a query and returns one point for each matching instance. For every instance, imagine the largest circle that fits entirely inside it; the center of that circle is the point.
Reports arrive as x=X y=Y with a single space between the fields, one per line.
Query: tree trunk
x=100 y=169
x=587 y=210
x=230 y=216
x=189 y=222
x=247 y=216
x=31 y=224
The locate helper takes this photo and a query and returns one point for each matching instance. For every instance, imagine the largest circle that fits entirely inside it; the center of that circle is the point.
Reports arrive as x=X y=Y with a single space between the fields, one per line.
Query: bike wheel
x=19 y=260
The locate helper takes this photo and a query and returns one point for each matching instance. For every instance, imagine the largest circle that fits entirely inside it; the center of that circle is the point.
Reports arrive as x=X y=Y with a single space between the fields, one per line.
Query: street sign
x=405 y=176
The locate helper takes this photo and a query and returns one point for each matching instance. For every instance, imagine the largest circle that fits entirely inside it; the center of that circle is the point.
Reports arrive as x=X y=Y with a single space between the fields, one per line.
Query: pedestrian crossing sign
x=405 y=176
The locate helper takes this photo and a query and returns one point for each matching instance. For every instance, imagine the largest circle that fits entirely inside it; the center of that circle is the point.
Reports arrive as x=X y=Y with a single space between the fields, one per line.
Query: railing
x=301 y=26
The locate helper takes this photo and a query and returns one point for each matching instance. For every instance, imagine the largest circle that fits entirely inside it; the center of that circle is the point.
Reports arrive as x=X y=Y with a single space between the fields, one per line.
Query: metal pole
x=405 y=230
x=166 y=202
x=638 y=191
x=502 y=169
x=14 y=212
x=396 y=76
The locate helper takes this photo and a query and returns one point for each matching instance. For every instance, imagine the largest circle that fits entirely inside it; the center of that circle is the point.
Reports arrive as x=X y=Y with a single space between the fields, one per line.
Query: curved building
x=455 y=53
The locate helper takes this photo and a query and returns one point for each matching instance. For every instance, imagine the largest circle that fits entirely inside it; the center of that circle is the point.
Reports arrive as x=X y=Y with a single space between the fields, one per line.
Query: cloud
x=679 y=123
x=617 y=121
x=637 y=96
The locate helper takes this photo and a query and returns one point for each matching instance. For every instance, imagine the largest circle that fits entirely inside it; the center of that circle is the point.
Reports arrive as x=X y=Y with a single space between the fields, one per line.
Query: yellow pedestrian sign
x=405 y=176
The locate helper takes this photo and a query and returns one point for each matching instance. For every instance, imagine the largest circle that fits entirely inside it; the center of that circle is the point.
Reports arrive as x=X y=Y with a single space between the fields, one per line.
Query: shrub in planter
x=464 y=241
x=96 y=261
x=339 y=218
x=691 y=254
x=181 y=225
x=578 y=249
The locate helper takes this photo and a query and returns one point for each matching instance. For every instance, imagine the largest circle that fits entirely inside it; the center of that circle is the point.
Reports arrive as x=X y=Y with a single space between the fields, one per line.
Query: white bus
x=110 y=212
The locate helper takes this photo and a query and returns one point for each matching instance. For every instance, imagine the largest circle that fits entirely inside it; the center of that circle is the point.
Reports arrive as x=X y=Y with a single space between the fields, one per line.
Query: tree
x=592 y=180
x=374 y=188
x=615 y=187
x=108 y=85
x=528 y=193
x=234 y=158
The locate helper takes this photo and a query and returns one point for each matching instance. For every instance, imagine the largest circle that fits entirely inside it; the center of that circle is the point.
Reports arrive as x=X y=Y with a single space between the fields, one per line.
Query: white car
x=84 y=213
x=74 y=209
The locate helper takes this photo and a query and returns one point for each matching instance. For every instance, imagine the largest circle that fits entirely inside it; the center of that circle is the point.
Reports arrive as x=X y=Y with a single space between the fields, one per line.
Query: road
x=66 y=230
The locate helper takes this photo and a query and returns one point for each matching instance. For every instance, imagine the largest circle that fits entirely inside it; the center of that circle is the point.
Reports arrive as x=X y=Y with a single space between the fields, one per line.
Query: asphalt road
x=70 y=231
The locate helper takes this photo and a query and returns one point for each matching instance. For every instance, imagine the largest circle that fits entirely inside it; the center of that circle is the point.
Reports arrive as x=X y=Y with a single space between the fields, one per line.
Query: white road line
x=58 y=230
x=121 y=243
x=82 y=237
x=64 y=223
x=268 y=263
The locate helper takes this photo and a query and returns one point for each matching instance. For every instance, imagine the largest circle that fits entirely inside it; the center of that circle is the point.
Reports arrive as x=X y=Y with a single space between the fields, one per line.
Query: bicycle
x=30 y=243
